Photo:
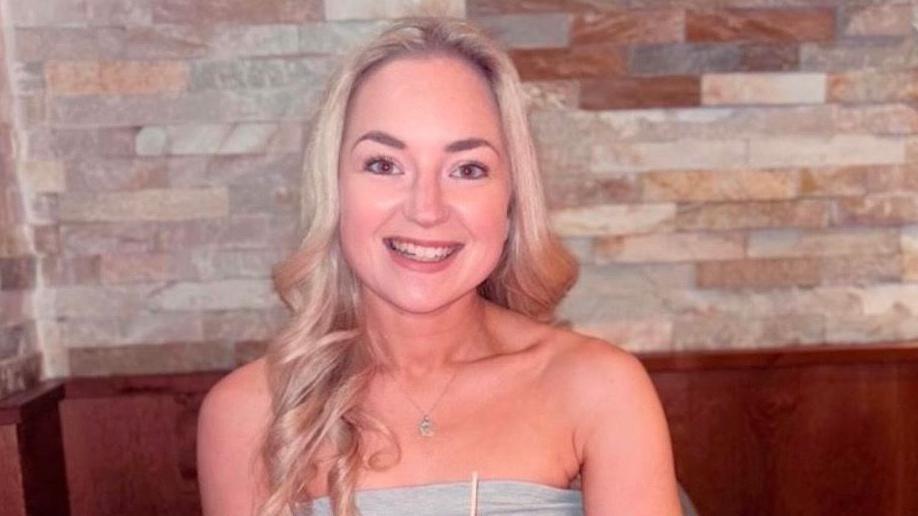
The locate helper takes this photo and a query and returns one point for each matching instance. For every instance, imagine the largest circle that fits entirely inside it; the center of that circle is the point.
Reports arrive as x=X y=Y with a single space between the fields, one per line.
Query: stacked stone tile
x=739 y=173
x=20 y=359
x=731 y=174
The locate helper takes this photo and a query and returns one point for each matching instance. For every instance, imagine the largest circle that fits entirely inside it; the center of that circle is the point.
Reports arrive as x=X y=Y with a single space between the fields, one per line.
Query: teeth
x=421 y=253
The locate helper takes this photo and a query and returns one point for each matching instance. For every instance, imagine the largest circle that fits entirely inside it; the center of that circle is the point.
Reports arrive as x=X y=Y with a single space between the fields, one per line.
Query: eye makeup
x=380 y=165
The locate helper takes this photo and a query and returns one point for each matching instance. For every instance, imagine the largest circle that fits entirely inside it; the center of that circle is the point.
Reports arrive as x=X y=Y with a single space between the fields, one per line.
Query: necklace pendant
x=426 y=427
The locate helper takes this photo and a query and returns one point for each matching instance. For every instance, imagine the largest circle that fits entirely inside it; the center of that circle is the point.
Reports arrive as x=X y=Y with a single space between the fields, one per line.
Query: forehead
x=427 y=97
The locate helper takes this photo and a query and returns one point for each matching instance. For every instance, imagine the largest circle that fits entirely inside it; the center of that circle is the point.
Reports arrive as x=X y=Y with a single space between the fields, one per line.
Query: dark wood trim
x=21 y=405
x=14 y=408
x=25 y=404
x=109 y=386
x=780 y=357
x=658 y=361
x=35 y=416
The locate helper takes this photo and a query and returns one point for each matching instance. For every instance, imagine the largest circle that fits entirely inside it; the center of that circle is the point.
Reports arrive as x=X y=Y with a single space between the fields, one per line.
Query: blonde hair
x=318 y=367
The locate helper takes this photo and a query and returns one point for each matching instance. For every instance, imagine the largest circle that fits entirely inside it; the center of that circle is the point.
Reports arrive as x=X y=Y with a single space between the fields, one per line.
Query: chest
x=510 y=428
x=500 y=428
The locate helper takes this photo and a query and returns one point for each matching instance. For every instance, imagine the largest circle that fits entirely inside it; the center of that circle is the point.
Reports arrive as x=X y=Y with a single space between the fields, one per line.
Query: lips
x=422 y=250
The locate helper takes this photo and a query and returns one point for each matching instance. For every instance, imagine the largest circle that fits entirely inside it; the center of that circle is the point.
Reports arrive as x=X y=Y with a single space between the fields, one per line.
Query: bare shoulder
x=246 y=385
x=573 y=361
x=231 y=427
x=589 y=367
x=619 y=428
x=238 y=405
x=601 y=384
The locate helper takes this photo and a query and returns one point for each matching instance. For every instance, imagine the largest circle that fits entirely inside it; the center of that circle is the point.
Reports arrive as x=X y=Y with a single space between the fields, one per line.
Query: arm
x=230 y=425
x=626 y=456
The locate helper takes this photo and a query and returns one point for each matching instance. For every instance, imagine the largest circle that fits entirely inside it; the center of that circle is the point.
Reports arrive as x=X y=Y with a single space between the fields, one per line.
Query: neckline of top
x=457 y=483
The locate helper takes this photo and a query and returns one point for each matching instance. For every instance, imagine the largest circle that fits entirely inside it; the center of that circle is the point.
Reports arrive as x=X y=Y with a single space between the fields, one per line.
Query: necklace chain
x=426 y=426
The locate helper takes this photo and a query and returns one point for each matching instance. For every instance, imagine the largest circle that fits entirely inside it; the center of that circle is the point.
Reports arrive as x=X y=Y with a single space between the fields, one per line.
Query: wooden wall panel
x=131 y=455
x=772 y=433
x=841 y=455
x=819 y=439
x=907 y=440
x=43 y=467
x=12 y=498
x=32 y=451
x=727 y=481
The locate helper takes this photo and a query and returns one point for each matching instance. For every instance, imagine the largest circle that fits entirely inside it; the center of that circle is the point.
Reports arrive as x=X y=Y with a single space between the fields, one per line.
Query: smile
x=427 y=252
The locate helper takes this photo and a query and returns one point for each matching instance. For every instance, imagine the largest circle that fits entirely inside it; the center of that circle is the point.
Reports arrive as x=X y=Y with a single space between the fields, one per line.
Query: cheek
x=360 y=212
x=487 y=218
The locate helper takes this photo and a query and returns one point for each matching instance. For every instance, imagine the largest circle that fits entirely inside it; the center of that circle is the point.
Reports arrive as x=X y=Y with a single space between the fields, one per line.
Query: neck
x=414 y=344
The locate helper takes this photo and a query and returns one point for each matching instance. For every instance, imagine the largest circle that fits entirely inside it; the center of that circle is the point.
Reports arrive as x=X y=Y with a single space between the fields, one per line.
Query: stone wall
x=20 y=358
x=732 y=174
x=745 y=176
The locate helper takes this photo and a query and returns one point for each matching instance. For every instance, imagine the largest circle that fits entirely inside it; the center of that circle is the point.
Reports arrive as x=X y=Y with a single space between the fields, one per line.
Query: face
x=424 y=182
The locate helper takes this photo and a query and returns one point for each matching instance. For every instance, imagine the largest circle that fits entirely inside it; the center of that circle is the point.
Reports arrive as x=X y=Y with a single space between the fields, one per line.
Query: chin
x=419 y=301
x=424 y=304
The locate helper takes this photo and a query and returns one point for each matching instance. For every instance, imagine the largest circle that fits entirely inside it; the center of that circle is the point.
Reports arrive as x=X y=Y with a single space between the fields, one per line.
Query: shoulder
x=589 y=367
x=237 y=407
x=231 y=425
x=590 y=354
x=619 y=428
x=244 y=388
x=600 y=382
x=580 y=365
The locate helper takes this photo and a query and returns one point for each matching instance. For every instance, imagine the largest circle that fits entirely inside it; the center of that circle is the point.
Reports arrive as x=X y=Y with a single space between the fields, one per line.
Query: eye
x=381 y=165
x=472 y=170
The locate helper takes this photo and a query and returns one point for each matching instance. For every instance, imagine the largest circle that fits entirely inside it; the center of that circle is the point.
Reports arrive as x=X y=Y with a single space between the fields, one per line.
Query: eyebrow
x=381 y=137
x=456 y=146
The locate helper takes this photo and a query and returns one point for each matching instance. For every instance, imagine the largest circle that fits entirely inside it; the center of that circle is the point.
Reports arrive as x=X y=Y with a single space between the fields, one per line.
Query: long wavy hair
x=319 y=365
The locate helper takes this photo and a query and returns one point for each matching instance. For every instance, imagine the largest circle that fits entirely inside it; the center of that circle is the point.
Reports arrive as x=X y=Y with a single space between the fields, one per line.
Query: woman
x=419 y=374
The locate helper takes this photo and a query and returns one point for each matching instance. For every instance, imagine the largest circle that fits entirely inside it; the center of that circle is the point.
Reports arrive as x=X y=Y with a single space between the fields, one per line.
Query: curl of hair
x=318 y=367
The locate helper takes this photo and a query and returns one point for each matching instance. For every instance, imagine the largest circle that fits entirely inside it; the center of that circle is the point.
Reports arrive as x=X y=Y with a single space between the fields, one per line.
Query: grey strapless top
x=498 y=497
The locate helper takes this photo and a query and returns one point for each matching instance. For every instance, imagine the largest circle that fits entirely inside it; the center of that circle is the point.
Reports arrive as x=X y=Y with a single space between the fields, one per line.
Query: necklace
x=426 y=426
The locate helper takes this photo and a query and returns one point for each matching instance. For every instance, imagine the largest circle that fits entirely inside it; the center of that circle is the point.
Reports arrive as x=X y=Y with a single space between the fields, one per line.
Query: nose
x=426 y=205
